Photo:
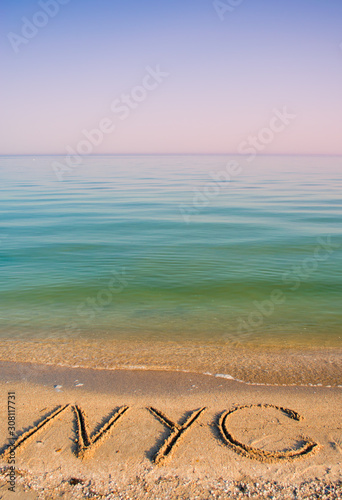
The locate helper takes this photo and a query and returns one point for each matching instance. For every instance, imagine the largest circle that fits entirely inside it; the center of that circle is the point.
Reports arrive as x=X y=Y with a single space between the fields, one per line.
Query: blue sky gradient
x=225 y=76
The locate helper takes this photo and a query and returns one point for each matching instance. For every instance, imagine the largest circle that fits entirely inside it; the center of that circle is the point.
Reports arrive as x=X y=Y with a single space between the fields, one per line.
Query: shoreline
x=28 y=366
x=262 y=366
x=33 y=373
x=283 y=441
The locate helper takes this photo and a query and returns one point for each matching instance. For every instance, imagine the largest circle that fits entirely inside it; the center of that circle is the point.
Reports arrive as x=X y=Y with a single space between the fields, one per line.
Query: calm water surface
x=173 y=248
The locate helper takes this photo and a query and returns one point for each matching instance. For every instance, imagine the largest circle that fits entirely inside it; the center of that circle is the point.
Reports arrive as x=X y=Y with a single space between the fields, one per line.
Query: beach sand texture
x=84 y=433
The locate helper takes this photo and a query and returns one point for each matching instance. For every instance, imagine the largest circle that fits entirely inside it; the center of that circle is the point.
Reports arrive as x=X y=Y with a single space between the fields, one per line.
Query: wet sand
x=272 y=366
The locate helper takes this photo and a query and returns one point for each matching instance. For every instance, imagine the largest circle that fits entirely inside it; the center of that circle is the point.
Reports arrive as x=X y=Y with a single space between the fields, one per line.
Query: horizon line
x=170 y=154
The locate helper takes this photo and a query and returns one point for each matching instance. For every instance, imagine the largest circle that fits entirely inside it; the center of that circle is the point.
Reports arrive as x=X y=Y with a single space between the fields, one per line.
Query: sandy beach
x=85 y=433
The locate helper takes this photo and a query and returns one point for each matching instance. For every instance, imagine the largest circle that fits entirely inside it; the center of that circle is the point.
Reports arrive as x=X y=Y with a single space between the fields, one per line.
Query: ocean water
x=173 y=248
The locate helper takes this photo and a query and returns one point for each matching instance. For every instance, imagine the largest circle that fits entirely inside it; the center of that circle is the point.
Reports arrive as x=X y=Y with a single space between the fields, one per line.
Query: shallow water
x=173 y=248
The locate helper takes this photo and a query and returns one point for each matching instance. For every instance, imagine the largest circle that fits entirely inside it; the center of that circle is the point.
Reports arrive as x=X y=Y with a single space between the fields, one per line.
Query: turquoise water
x=155 y=247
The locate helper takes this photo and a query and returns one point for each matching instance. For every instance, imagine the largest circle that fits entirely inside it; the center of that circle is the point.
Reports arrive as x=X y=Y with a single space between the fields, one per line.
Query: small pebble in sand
x=58 y=388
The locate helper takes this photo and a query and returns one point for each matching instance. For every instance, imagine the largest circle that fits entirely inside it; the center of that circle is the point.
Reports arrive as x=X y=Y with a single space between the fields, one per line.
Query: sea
x=168 y=251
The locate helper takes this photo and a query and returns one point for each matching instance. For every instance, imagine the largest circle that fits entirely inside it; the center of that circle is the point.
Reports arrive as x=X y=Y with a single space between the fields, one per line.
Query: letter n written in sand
x=88 y=443
x=26 y=437
x=177 y=432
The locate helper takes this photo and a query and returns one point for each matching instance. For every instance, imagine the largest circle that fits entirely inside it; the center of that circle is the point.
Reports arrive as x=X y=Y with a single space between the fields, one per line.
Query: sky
x=162 y=77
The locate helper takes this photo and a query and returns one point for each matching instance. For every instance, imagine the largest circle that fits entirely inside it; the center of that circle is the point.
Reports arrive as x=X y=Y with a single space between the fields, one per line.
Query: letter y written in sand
x=177 y=432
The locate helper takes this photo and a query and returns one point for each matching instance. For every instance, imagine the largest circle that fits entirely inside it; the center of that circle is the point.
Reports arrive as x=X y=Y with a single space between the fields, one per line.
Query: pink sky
x=225 y=77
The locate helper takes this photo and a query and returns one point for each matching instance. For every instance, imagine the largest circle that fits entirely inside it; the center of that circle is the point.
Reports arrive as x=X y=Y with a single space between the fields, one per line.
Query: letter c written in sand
x=308 y=447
